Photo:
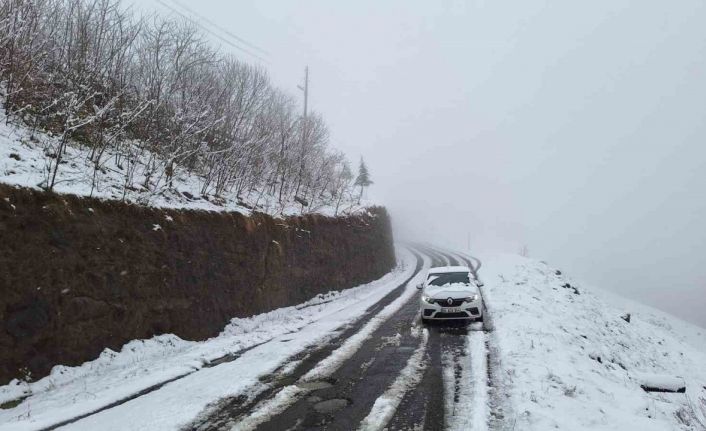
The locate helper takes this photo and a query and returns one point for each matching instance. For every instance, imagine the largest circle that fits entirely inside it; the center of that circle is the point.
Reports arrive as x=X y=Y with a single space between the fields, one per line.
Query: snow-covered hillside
x=23 y=162
x=569 y=361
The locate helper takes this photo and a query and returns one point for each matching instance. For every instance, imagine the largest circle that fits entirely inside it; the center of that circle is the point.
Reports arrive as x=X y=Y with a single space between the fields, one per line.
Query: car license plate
x=450 y=310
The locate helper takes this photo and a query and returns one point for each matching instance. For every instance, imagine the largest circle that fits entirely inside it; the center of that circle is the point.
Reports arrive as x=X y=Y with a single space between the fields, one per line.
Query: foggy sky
x=575 y=128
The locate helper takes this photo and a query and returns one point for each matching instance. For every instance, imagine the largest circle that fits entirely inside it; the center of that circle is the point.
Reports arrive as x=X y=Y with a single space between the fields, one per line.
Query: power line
x=224 y=30
x=211 y=32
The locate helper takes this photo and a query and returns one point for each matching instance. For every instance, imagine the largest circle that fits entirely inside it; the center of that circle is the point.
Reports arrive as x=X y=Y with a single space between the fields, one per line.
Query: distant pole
x=305 y=89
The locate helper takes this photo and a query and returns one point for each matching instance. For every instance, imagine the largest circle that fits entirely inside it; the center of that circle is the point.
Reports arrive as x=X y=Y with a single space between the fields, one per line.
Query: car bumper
x=472 y=310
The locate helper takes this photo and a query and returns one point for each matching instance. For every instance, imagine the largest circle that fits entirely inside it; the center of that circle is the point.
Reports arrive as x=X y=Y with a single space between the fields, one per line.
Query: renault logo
x=449 y=301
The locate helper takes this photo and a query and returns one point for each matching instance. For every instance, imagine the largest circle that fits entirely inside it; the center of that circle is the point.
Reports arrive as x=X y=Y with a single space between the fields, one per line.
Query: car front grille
x=450 y=315
x=444 y=302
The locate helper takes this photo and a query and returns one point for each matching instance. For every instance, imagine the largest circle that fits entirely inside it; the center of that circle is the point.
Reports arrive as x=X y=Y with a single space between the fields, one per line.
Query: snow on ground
x=466 y=406
x=23 y=163
x=273 y=337
x=571 y=361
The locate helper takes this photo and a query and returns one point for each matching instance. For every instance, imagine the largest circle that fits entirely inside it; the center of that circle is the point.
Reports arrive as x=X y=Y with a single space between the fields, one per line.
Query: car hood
x=456 y=290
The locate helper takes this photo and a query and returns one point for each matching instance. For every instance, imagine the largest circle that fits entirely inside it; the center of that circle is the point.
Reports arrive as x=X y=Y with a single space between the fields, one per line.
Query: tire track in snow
x=423 y=407
x=227 y=411
x=479 y=381
x=499 y=410
x=465 y=377
x=386 y=405
x=283 y=402
x=357 y=380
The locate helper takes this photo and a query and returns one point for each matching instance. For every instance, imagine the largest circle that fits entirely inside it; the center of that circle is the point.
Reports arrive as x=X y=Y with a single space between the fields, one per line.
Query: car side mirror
x=420 y=286
x=479 y=283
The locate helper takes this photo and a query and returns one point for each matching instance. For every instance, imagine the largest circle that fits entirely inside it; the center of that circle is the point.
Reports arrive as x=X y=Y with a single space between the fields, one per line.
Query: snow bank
x=571 y=362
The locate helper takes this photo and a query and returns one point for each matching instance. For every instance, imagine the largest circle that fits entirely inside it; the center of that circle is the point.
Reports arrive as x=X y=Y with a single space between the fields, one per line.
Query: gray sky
x=577 y=128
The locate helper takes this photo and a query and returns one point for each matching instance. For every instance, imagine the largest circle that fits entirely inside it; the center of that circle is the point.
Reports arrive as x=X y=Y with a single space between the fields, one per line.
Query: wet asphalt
x=343 y=400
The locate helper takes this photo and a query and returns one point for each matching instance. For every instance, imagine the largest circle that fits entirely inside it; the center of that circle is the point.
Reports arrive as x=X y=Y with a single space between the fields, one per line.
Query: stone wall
x=78 y=275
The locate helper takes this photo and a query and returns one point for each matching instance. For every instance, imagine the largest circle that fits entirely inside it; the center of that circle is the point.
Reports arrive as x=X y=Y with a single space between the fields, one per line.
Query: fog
x=574 y=128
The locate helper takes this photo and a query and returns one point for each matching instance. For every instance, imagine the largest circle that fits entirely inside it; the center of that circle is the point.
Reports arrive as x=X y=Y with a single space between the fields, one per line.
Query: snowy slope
x=567 y=360
x=23 y=163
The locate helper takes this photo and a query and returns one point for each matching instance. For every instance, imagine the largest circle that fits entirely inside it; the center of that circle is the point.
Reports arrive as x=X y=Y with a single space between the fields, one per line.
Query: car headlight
x=426 y=298
x=471 y=298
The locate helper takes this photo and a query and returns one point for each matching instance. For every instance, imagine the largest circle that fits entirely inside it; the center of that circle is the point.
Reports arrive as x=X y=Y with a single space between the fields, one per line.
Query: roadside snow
x=466 y=406
x=479 y=381
x=271 y=337
x=571 y=362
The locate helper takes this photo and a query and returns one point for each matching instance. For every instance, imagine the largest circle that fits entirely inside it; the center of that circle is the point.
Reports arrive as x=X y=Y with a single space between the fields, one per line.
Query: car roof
x=446 y=269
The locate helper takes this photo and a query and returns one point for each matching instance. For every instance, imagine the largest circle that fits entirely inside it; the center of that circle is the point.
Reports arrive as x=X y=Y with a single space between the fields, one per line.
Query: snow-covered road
x=351 y=359
x=385 y=374
x=551 y=354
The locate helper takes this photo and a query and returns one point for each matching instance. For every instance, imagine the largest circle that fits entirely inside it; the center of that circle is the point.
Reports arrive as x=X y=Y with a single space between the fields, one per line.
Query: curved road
x=385 y=370
x=393 y=379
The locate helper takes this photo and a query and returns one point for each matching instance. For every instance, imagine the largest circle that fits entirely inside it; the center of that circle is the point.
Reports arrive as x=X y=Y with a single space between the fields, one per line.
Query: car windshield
x=445 y=278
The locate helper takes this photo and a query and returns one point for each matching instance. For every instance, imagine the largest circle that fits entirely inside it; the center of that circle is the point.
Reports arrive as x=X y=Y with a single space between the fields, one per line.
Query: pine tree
x=363 y=180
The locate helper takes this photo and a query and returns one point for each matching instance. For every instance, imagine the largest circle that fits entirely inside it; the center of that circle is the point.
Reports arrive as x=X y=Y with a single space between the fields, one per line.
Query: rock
x=650 y=382
x=626 y=317
x=28 y=320
x=83 y=308
x=58 y=239
x=568 y=286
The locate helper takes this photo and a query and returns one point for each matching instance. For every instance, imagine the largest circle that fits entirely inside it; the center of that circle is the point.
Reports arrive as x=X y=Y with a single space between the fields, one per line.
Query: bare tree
x=152 y=95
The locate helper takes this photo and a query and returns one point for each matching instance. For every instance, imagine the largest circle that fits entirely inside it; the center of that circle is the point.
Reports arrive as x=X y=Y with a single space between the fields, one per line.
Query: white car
x=450 y=292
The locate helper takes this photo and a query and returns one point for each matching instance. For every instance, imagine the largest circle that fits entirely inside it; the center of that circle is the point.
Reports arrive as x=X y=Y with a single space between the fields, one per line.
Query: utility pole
x=305 y=89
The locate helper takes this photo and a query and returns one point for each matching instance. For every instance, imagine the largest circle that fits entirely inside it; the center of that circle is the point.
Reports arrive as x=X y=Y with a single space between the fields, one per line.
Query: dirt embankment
x=78 y=275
